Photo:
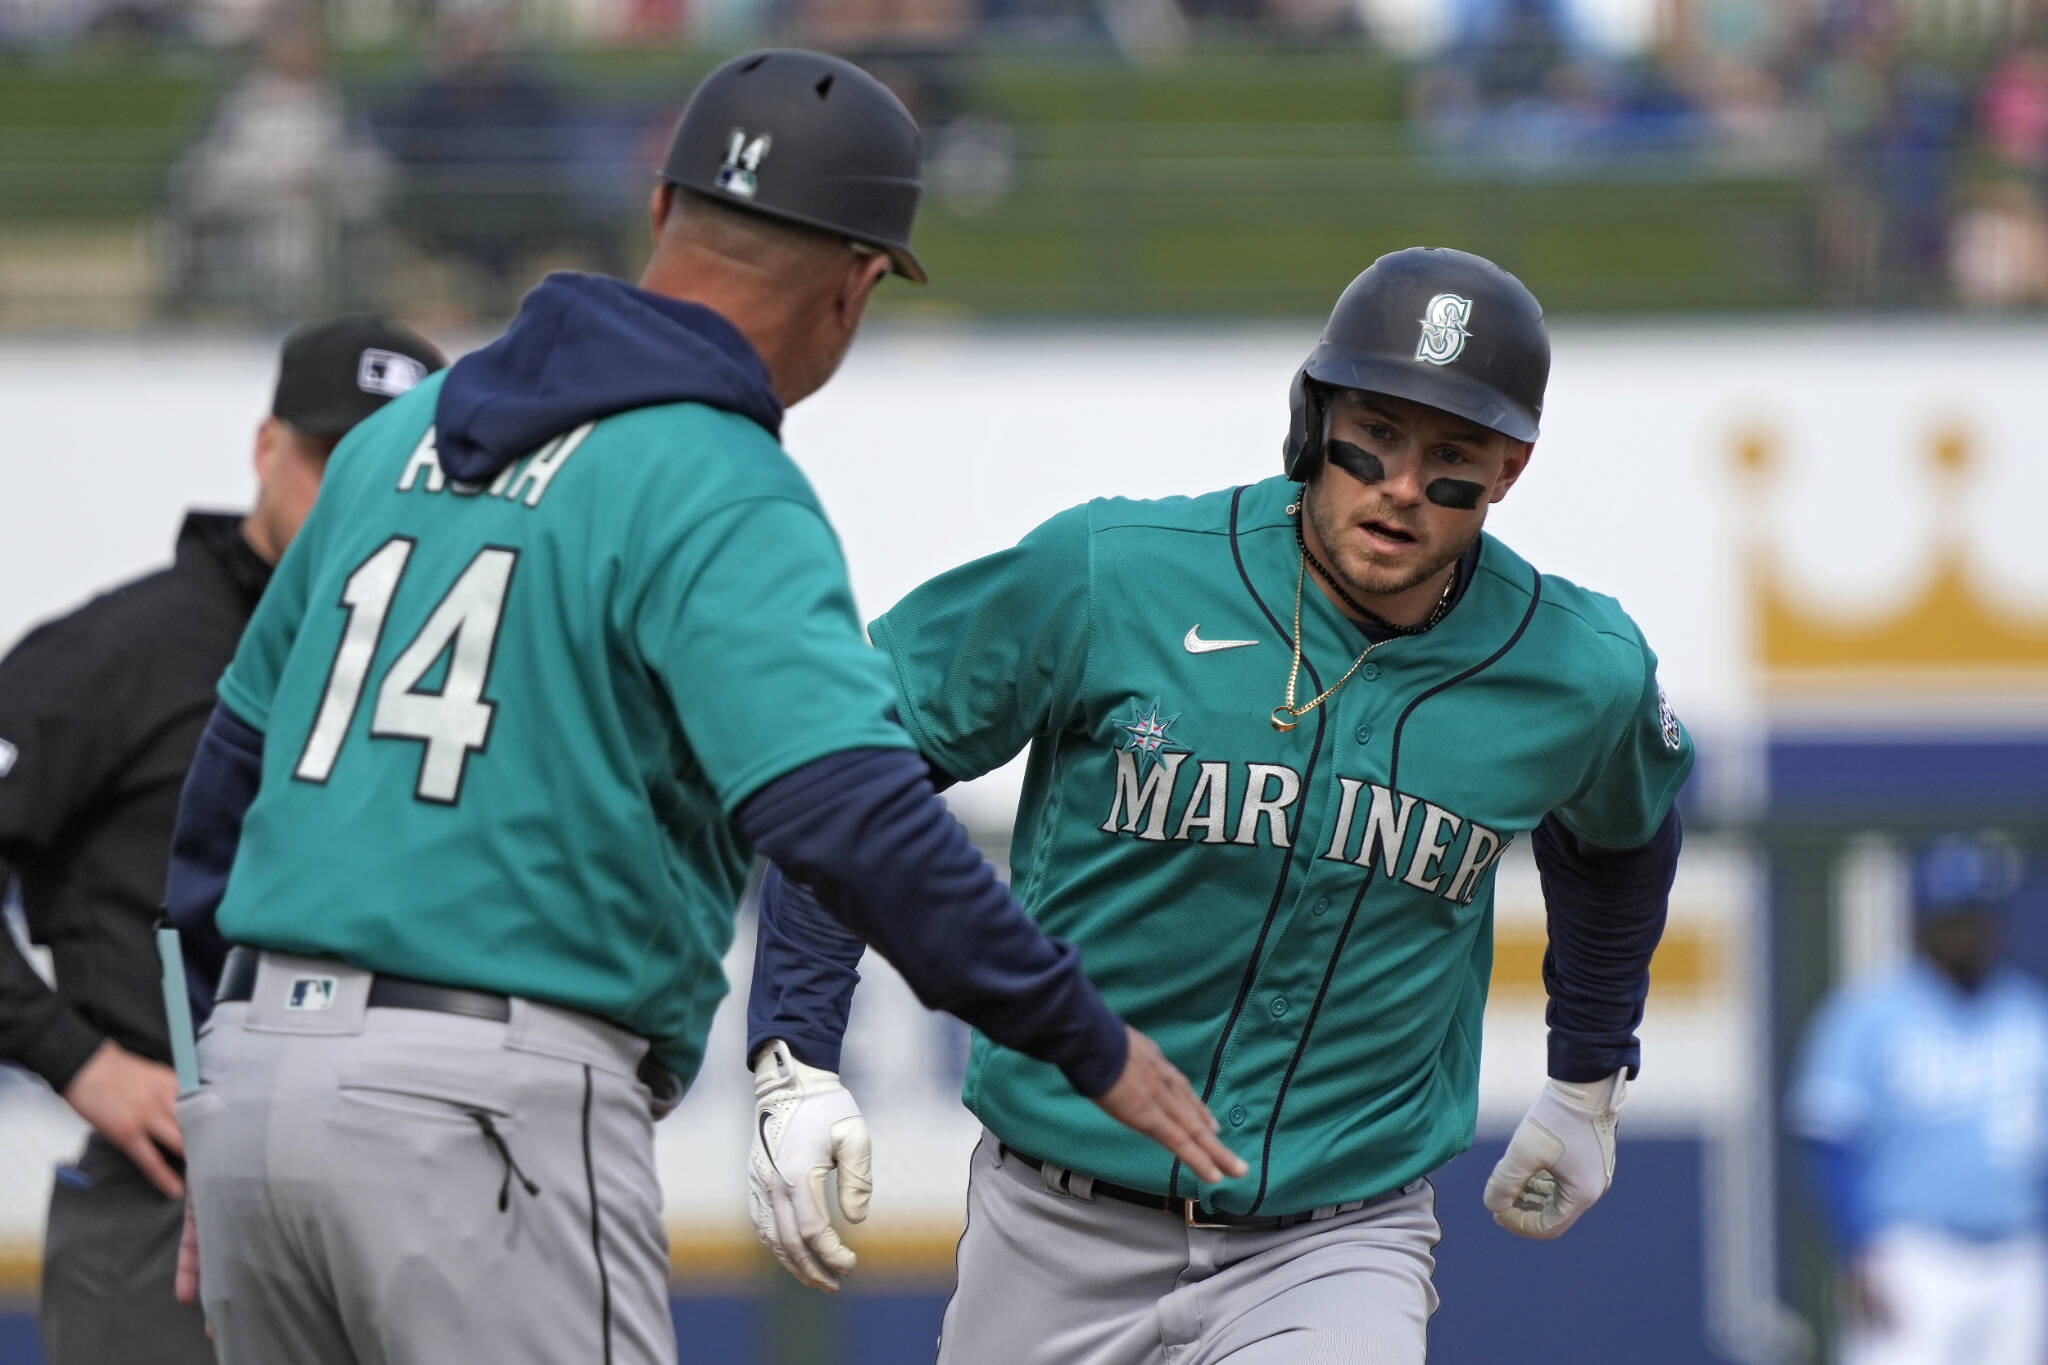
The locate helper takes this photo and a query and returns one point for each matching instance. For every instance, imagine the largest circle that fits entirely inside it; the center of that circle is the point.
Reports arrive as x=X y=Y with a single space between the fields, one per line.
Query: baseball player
x=564 y=639
x=1922 y=1099
x=1279 y=736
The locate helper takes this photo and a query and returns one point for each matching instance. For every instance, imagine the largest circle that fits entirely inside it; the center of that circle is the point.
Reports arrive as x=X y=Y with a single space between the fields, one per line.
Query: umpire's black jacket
x=100 y=712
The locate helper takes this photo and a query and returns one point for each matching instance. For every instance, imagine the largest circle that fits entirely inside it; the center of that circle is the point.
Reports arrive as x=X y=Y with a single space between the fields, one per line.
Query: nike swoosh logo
x=766 y=1150
x=1197 y=645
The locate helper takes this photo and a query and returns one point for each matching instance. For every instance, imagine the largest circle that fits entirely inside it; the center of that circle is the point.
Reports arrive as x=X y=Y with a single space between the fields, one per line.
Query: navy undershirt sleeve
x=1606 y=912
x=866 y=831
x=219 y=789
x=805 y=969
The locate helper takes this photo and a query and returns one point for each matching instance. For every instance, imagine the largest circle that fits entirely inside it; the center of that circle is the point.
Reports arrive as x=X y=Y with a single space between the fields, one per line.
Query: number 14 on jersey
x=451 y=723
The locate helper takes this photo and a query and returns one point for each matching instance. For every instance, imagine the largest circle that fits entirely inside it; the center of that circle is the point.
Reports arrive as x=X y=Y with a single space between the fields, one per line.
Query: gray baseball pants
x=403 y=1187
x=1049 y=1278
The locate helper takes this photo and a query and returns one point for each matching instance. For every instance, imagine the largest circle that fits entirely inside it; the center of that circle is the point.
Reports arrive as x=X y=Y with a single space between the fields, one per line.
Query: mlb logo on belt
x=311 y=993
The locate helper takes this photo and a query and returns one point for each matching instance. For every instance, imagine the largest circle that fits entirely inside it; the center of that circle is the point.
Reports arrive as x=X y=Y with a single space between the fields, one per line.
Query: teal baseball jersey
x=1302 y=920
x=506 y=726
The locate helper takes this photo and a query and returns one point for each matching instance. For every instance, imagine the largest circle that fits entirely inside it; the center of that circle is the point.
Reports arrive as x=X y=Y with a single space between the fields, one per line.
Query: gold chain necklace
x=1288 y=709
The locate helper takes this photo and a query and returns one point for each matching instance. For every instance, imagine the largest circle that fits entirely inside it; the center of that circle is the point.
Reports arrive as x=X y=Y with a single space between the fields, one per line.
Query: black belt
x=238 y=982
x=1190 y=1211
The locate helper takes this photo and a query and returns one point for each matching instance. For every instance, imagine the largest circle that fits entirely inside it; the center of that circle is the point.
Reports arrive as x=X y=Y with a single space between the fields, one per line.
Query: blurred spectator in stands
x=1313 y=18
x=1895 y=128
x=1513 y=47
x=1845 y=85
x=1998 y=248
x=487 y=148
x=1508 y=86
x=276 y=208
x=839 y=25
x=970 y=156
x=1918 y=154
x=1724 y=54
x=1923 y=1102
x=2014 y=109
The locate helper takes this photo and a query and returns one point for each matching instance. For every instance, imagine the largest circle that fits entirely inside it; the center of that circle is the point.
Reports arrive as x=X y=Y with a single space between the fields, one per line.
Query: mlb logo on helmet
x=387 y=373
x=739 y=174
x=311 y=993
x=1443 y=329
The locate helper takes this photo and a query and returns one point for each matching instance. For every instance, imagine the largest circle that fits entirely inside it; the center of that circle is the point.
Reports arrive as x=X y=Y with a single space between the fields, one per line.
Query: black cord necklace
x=1373 y=618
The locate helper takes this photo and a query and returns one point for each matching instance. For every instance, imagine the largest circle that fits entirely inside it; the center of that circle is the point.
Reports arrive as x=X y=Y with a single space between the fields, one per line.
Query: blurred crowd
x=287 y=200
x=1917 y=129
x=1924 y=125
x=450 y=188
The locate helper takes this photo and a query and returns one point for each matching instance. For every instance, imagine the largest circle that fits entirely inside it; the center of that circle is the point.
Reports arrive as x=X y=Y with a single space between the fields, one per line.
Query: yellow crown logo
x=1948 y=636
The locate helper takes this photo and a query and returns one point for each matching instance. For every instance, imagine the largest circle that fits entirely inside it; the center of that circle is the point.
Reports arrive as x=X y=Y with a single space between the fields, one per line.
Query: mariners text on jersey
x=1315 y=906
x=1372 y=821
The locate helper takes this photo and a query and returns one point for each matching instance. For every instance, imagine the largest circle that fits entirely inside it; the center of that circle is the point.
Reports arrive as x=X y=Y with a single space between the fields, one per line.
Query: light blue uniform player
x=1923 y=1098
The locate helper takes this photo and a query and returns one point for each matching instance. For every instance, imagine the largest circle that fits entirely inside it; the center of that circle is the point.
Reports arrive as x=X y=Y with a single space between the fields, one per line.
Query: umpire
x=100 y=712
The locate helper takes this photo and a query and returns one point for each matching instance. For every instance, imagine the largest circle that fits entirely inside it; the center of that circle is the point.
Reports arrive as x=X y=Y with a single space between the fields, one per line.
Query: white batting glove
x=806 y=1126
x=1561 y=1159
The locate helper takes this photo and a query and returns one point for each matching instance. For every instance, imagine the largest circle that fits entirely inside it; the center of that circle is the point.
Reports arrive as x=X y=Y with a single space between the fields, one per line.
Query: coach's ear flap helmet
x=808 y=139
x=1436 y=326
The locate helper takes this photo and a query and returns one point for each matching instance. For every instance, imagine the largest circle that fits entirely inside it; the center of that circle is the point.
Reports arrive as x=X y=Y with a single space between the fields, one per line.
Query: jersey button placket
x=1279 y=1007
x=1238 y=1116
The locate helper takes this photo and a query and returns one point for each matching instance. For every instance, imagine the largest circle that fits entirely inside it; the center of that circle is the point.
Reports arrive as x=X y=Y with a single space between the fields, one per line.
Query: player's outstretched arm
x=866 y=831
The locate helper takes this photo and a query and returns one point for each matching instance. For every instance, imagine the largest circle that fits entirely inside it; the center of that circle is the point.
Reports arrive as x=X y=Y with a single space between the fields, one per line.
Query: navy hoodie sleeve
x=219 y=789
x=865 y=829
x=1606 y=912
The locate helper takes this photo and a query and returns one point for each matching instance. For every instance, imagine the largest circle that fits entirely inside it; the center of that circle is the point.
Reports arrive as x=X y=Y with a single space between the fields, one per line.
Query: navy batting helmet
x=808 y=139
x=1435 y=326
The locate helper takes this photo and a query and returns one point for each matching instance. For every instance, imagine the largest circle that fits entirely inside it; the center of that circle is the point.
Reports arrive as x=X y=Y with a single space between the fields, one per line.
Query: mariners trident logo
x=1443 y=329
x=1148 y=733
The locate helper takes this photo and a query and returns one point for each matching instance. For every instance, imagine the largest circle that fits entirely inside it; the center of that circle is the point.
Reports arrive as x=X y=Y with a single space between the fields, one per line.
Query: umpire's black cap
x=808 y=139
x=1435 y=326
x=333 y=374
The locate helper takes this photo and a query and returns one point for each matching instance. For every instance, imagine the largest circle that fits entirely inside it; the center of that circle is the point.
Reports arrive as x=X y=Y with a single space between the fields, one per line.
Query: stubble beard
x=1362 y=573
